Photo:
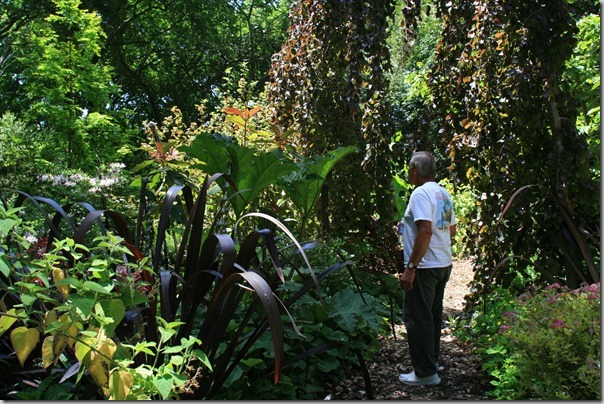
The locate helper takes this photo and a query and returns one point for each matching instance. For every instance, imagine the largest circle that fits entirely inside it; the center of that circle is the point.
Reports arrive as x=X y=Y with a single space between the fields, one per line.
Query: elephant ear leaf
x=24 y=341
x=303 y=187
x=211 y=153
x=253 y=172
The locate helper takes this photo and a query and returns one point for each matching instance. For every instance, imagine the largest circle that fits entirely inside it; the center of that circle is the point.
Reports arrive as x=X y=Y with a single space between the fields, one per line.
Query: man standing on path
x=428 y=231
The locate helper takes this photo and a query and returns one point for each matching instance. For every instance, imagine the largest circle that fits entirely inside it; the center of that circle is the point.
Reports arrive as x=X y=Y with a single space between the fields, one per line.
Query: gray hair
x=425 y=164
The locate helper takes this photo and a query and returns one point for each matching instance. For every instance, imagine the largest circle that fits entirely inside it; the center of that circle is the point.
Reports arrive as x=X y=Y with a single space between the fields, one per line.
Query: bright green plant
x=163 y=379
x=343 y=332
x=582 y=76
x=69 y=300
x=67 y=87
x=249 y=171
x=467 y=205
x=304 y=185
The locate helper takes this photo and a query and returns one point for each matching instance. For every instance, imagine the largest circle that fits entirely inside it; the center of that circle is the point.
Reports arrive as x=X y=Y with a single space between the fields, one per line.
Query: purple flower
x=553 y=286
x=503 y=328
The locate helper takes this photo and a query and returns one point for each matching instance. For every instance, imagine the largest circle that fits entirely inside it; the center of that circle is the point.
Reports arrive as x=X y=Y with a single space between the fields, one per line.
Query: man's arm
x=420 y=246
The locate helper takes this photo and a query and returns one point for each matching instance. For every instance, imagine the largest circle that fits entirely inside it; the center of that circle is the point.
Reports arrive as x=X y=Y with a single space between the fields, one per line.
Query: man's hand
x=406 y=279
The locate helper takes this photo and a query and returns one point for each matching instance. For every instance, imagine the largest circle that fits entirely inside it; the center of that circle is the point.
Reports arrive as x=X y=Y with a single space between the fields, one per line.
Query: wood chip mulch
x=462 y=378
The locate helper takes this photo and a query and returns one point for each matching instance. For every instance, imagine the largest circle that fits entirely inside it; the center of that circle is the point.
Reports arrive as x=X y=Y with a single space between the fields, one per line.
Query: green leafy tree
x=67 y=88
x=409 y=93
x=582 y=79
x=175 y=53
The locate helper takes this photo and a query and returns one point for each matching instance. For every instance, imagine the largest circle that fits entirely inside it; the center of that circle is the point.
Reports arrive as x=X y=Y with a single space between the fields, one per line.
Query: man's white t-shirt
x=430 y=202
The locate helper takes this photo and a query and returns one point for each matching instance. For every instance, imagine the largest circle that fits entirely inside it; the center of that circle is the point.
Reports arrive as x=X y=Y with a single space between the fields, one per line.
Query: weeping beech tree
x=328 y=82
x=507 y=120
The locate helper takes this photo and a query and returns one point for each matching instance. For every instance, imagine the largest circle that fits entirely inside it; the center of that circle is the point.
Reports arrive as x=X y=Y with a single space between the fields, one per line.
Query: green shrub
x=555 y=335
x=544 y=344
x=344 y=324
x=466 y=203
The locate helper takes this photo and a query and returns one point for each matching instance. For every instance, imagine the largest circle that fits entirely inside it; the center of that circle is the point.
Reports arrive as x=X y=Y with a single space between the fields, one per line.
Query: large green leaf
x=303 y=187
x=211 y=153
x=164 y=385
x=84 y=302
x=4 y=265
x=249 y=170
x=253 y=172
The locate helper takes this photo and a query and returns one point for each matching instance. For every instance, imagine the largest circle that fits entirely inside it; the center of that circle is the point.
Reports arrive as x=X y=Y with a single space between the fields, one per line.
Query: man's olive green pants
x=423 y=317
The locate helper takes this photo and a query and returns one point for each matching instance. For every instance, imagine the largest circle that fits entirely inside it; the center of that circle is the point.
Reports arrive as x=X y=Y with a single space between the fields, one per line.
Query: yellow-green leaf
x=49 y=318
x=57 y=276
x=120 y=383
x=107 y=348
x=48 y=356
x=83 y=350
x=24 y=341
x=99 y=370
x=7 y=320
x=59 y=344
x=236 y=120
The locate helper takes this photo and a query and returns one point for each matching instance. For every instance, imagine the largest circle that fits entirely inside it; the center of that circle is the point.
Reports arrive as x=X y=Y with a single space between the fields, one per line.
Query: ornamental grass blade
x=196 y=287
x=164 y=222
x=60 y=212
x=54 y=231
x=248 y=254
x=119 y=223
x=194 y=230
x=291 y=236
x=220 y=313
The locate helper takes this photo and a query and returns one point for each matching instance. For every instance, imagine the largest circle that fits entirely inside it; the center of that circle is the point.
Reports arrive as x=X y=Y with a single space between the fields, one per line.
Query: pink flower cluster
x=557 y=324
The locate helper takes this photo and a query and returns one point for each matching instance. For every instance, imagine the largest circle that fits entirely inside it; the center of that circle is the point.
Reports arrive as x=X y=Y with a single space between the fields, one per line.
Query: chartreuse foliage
x=62 y=306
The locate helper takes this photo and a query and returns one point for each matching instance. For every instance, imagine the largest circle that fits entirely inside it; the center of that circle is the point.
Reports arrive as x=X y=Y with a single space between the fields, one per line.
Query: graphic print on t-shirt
x=444 y=211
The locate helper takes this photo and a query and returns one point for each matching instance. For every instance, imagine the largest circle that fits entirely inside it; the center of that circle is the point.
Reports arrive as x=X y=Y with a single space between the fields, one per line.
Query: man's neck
x=422 y=181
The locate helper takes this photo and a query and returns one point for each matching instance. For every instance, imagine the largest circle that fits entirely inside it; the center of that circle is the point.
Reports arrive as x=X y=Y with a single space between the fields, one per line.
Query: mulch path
x=462 y=378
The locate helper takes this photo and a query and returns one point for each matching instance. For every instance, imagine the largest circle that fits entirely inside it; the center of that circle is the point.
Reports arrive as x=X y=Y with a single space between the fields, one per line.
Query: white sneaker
x=412 y=380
